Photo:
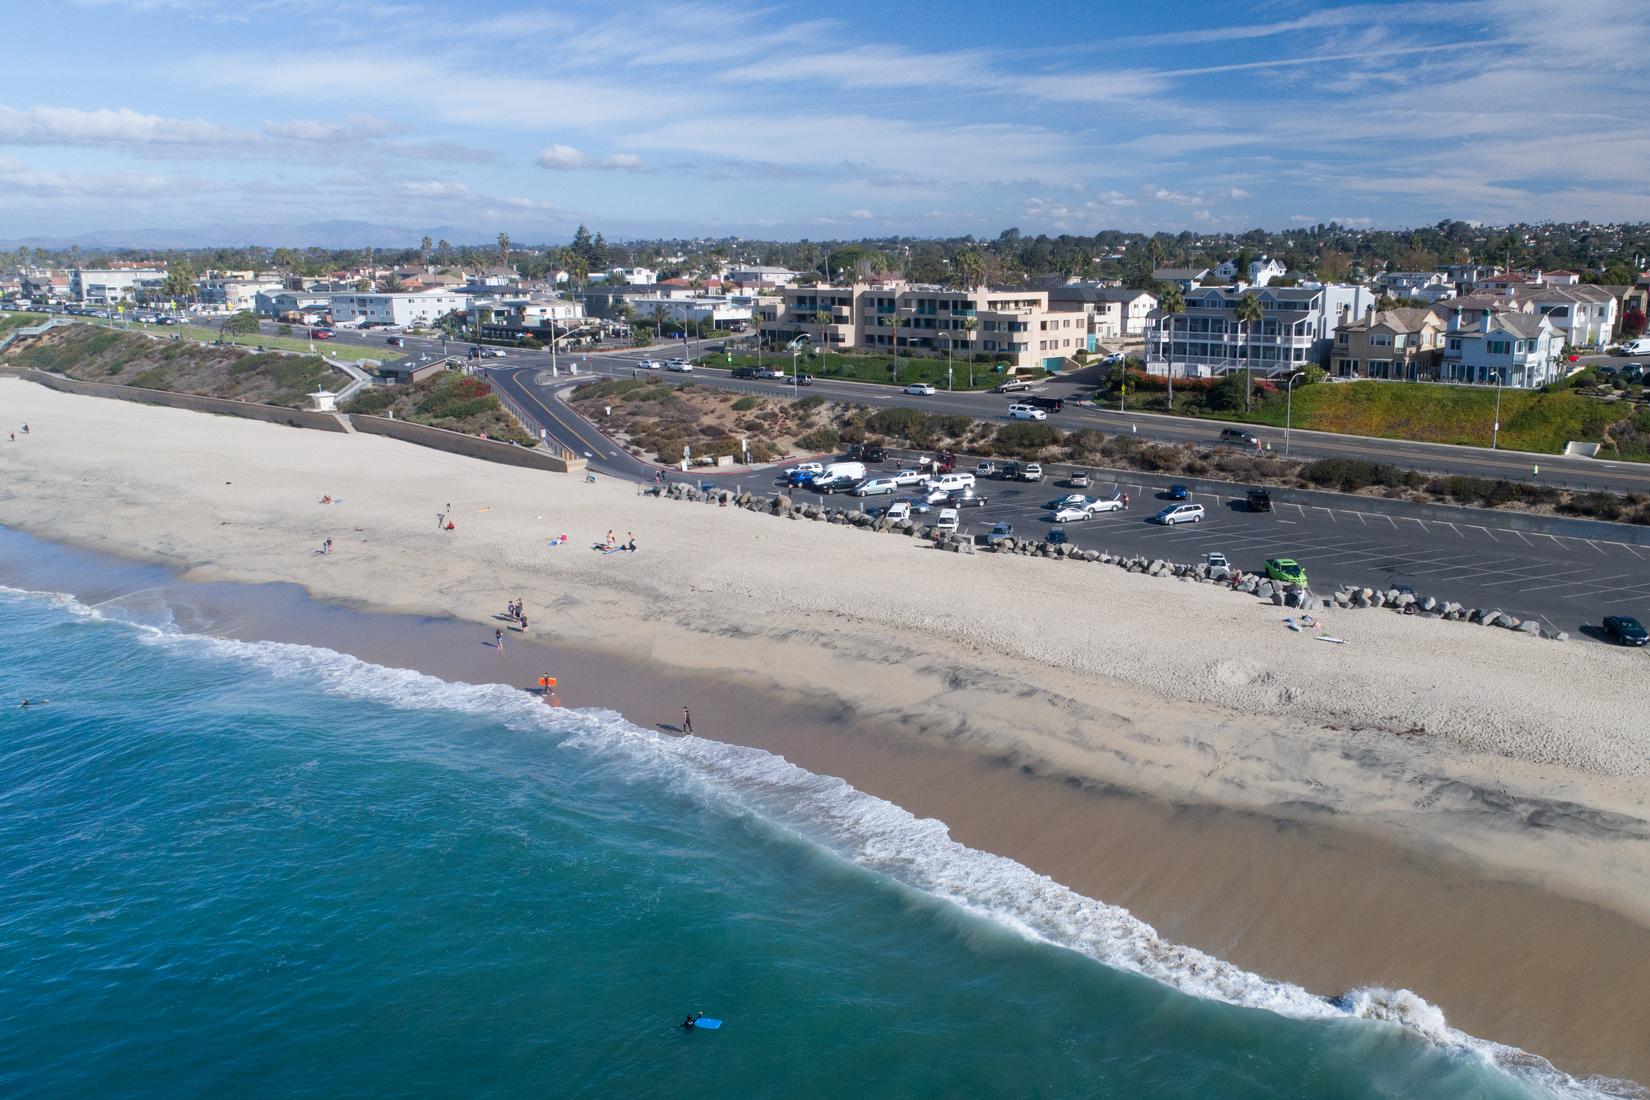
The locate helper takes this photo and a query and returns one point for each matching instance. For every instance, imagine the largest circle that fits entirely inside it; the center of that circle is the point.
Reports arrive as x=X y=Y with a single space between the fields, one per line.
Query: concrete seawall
x=270 y=414
x=460 y=444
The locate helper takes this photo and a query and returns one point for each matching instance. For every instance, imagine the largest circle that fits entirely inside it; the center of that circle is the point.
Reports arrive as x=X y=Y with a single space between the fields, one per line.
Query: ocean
x=271 y=870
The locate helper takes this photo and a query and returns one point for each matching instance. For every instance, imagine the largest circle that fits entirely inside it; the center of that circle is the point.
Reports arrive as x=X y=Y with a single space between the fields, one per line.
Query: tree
x=967 y=269
x=394 y=285
x=1249 y=313
x=504 y=250
x=363 y=283
x=444 y=250
x=1334 y=266
x=180 y=280
x=1170 y=306
x=240 y=324
x=1632 y=323
x=424 y=251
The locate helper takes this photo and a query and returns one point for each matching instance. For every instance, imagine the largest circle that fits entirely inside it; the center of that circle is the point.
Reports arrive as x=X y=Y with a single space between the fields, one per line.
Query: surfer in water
x=692 y=1021
x=34 y=702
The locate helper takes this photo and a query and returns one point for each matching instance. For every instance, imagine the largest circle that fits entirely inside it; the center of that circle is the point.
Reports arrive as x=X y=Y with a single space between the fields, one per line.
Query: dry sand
x=1501 y=758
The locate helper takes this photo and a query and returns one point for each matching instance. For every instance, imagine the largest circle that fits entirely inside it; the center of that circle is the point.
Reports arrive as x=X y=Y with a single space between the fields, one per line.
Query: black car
x=1052 y=404
x=1626 y=630
x=1259 y=500
x=743 y=372
x=803 y=380
x=1009 y=471
x=963 y=499
x=872 y=453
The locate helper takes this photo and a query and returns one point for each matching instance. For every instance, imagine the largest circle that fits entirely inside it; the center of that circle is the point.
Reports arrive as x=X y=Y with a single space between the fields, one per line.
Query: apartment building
x=1509 y=346
x=1401 y=344
x=1020 y=328
x=107 y=286
x=422 y=307
x=235 y=293
x=1116 y=312
x=1585 y=316
x=1297 y=327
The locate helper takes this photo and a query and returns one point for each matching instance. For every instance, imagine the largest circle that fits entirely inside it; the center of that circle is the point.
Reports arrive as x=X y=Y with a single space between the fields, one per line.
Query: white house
x=1509 y=345
x=527 y=312
x=273 y=303
x=720 y=312
x=1297 y=327
x=633 y=276
x=234 y=294
x=1584 y=315
x=104 y=287
x=1411 y=284
x=760 y=275
x=396 y=308
x=1264 y=270
x=1116 y=313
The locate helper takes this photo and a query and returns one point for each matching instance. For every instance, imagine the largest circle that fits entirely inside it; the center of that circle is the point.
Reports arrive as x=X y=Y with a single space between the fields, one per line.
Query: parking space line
x=1594 y=545
x=1509 y=531
x=1629 y=549
x=1571 y=584
x=1452 y=527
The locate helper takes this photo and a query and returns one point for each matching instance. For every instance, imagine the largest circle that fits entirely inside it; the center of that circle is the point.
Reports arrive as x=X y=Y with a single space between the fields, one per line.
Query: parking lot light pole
x=1289 y=406
x=1495 y=428
x=950 y=379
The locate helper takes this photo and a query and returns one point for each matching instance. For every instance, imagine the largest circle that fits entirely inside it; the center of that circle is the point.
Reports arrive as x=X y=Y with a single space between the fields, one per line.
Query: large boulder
x=1265 y=589
x=1529 y=626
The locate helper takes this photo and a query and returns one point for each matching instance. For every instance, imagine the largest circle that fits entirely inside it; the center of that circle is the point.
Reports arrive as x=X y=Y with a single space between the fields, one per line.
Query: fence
x=250 y=410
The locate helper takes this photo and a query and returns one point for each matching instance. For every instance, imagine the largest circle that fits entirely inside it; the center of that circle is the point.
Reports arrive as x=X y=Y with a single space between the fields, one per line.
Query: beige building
x=1402 y=344
x=1013 y=326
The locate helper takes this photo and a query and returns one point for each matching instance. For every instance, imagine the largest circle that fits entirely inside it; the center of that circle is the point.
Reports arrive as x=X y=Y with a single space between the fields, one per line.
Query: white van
x=876 y=485
x=838 y=475
x=1641 y=346
x=947 y=520
x=949 y=483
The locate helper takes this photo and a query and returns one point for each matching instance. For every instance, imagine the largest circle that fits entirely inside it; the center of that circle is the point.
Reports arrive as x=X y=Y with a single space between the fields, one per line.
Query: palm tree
x=967 y=269
x=892 y=321
x=969 y=324
x=1171 y=305
x=1249 y=314
x=424 y=251
x=444 y=249
x=658 y=322
x=504 y=250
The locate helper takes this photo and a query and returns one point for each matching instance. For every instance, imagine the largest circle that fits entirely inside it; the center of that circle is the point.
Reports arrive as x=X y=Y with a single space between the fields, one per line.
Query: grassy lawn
x=1530 y=421
x=866 y=368
x=277 y=343
x=9 y=321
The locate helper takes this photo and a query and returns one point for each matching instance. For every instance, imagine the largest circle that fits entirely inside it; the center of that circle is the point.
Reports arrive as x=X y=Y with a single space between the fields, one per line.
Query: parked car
x=920 y=389
x=1178 y=492
x=1026 y=412
x=1072 y=513
x=1214 y=559
x=1000 y=530
x=900 y=509
x=1113 y=359
x=1057 y=535
x=947 y=520
x=986 y=469
x=966 y=498
x=1179 y=513
x=914 y=505
x=1626 y=630
x=1032 y=472
x=1009 y=471
x=680 y=366
x=1258 y=500
x=1048 y=404
x=1078 y=480
x=873 y=453
x=1070 y=500
x=649 y=364
x=876 y=486
x=1287 y=570
x=1109 y=504
x=1011 y=387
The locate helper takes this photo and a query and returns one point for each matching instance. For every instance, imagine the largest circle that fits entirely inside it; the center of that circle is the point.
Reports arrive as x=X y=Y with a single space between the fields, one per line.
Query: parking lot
x=1568 y=583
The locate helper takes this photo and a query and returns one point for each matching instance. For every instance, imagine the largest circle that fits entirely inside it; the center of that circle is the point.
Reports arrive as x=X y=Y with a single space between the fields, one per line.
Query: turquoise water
x=271 y=870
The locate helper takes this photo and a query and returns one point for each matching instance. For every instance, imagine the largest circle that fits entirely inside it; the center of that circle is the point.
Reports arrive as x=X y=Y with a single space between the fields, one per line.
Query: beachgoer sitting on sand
x=451 y=526
x=327 y=499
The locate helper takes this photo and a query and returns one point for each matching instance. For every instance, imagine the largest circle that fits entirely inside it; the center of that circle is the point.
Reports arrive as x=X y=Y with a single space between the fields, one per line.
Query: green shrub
x=371 y=402
x=744 y=404
x=807 y=404
x=819 y=440
x=1026 y=440
x=1349 y=474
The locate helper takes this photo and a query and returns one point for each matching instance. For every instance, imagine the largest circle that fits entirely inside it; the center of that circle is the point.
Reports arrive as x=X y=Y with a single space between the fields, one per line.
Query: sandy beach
x=1454 y=809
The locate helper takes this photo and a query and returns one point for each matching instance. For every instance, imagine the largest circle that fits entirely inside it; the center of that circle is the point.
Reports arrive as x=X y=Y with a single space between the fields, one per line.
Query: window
x=1499 y=347
x=1455 y=343
x=1380 y=339
x=1345 y=339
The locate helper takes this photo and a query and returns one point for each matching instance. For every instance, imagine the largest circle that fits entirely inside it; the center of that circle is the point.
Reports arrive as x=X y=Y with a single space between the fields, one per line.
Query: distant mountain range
x=325 y=234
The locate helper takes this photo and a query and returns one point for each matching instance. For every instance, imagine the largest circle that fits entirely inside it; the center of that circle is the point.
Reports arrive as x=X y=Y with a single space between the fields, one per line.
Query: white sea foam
x=878 y=836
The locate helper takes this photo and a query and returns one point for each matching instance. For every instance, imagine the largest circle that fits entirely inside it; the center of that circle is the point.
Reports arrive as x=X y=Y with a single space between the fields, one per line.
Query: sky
x=844 y=120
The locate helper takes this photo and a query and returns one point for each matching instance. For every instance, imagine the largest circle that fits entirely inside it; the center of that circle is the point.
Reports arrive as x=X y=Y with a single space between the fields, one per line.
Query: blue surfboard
x=706 y=1023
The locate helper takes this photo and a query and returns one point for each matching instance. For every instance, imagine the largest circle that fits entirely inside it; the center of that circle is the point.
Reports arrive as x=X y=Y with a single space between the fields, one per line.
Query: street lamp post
x=1289 y=406
x=1495 y=428
x=950 y=379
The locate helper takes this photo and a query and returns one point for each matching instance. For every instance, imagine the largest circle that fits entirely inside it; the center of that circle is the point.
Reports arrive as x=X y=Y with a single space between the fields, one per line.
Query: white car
x=681 y=366
x=947 y=520
x=1071 y=513
x=1033 y=472
x=900 y=509
x=649 y=364
x=1179 y=513
x=920 y=389
x=1026 y=412
x=875 y=486
x=495 y=353
x=902 y=478
x=1110 y=504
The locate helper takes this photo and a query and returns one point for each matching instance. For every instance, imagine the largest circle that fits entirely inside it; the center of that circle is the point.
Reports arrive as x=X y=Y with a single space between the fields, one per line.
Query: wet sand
x=1310 y=901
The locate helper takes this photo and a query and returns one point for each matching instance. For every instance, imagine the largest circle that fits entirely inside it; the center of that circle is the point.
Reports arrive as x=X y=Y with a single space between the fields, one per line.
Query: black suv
x=1259 y=500
x=1052 y=404
x=865 y=452
x=1626 y=630
x=743 y=372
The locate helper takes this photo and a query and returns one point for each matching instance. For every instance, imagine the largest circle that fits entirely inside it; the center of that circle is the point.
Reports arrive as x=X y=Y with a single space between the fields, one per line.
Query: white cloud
x=17 y=177
x=435 y=189
x=110 y=126
x=1239 y=193
x=349 y=128
x=518 y=202
x=565 y=158
x=862 y=215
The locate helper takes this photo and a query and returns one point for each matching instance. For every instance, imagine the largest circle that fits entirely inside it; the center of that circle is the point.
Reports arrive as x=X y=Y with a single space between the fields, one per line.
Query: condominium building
x=107 y=286
x=1585 y=316
x=1117 y=312
x=396 y=308
x=1509 y=346
x=1017 y=327
x=1403 y=344
x=1296 y=328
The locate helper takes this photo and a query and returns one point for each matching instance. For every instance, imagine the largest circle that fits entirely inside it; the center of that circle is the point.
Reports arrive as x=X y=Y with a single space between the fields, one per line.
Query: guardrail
x=545 y=443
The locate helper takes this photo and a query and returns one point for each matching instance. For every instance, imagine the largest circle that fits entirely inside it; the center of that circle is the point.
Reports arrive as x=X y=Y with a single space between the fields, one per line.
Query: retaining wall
x=460 y=444
x=270 y=414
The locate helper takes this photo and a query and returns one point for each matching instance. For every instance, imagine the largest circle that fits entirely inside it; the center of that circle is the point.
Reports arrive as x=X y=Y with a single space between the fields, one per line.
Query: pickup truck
x=903 y=478
x=986 y=469
x=773 y=373
x=1032 y=472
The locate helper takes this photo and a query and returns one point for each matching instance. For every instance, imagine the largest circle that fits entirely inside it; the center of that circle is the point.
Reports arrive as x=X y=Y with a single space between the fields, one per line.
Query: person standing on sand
x=326 y=547
x=522 y=619
x=498 y=640
x=687 y=722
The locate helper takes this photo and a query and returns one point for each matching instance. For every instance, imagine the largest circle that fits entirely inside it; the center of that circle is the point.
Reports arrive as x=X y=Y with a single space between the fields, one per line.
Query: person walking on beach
x=630 y=541
x=687 y=722
x=610 y=540
x=522 y=619
x=498 y=640
x=326 y=547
